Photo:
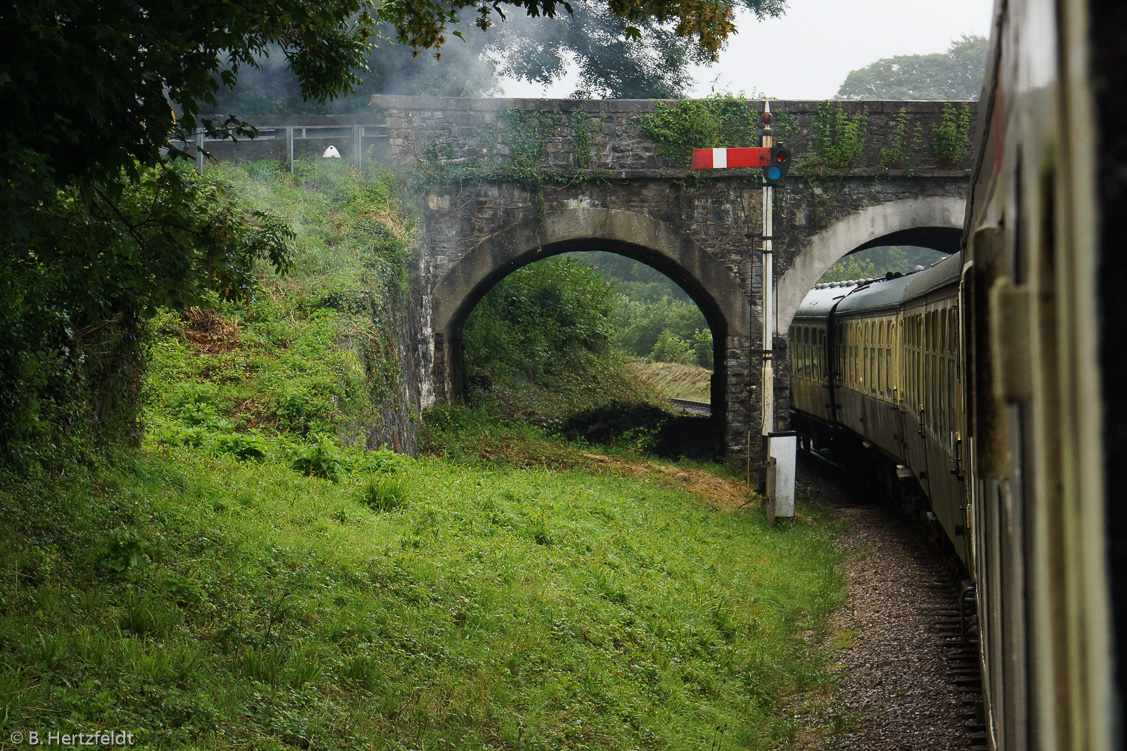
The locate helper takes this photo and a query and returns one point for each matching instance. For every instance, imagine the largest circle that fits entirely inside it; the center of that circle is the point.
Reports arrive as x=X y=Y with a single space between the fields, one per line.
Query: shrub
x=383 y=494
x=672 y=348
x=243 y=445
x=321 y=458
x=534 y=317
x=703 y=347
x=640 y=323
x=123 y=549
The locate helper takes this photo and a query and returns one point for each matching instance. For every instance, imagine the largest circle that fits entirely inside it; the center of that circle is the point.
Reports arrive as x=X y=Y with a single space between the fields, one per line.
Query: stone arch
x=580 y=226
x=932 y=222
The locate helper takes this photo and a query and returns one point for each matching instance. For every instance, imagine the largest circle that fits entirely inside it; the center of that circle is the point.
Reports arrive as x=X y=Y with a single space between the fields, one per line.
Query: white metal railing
x=356 y=133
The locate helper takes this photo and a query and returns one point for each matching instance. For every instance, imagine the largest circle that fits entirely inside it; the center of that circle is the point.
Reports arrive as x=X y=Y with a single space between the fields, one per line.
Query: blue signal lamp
x=777 y=168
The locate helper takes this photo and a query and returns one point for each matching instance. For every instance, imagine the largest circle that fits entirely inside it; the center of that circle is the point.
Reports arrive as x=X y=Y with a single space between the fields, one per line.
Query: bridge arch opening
x=704 y=279
x=930 y=222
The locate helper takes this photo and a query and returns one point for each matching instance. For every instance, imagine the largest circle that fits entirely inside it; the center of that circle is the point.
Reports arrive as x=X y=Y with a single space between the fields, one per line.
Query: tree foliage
x=672 y=348
x=641 y=324
x=535 y=318
x=98 y=229
x=655 y=318
x=876 y=262
x=462 y=70
x=86 y=85
x=616 y=58
x=94 y=264
x=955 y=74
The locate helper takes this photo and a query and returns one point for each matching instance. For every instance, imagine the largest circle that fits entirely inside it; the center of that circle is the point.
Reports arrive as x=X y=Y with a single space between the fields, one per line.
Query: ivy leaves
x=717 y=122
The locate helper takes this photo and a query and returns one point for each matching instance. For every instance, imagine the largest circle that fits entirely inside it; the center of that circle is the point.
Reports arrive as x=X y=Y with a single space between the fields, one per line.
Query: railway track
x=913 y=650
x=703 y=409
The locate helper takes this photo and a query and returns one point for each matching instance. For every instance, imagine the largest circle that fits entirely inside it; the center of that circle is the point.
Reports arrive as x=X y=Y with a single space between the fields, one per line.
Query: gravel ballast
x=896 y=690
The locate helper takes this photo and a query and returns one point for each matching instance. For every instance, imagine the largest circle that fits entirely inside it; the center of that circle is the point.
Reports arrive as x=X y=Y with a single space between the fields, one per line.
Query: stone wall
x=460 y=130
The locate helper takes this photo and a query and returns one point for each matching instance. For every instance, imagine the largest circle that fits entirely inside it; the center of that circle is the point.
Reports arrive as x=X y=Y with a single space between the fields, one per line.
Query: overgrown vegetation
x=897 y=153
x=838 y=138
x=98 y=228
x=515 y=151
x=952 y=134
x=539 y=317
x=538 y=345
x=655 y=319
x=718 y=121
x=91 y=266
x=307 y=362
x=552 y=343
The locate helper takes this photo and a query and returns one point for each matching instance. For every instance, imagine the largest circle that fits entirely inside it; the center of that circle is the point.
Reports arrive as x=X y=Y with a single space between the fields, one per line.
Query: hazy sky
x=807 y=53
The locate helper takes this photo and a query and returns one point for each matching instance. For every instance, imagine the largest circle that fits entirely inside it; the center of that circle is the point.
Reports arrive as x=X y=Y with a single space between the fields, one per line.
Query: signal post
x=778 y=448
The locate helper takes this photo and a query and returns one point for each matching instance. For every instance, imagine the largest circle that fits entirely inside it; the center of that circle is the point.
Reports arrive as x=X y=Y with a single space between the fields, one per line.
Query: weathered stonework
x=591 y=180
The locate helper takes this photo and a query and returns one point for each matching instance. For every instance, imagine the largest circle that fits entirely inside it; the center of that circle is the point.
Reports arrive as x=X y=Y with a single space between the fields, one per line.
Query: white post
x=780 y=475
x=199 y=152
x=289 y=146
x=767 y=385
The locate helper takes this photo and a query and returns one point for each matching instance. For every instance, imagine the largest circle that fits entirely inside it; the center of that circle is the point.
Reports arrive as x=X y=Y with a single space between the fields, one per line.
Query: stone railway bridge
x=503 y=183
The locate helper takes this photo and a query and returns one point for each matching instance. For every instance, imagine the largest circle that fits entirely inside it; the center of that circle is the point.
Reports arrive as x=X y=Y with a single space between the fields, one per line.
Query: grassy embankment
x=248 y=581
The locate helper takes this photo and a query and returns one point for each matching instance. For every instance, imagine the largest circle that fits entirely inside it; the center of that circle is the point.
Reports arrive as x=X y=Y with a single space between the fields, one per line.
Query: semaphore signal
x=778 y=448
x=775 y=160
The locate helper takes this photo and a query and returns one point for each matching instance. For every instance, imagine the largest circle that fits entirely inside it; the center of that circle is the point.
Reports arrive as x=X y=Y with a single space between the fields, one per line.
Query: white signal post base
x=782 y=449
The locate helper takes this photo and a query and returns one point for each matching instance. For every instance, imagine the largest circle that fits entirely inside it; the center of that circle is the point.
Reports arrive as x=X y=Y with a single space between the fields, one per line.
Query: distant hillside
x=675 y=381
x=656 y=319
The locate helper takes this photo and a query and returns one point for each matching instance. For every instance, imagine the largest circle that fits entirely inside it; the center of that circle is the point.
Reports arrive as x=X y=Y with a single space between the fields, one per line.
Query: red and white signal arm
x=775 y=160
x=751 y=156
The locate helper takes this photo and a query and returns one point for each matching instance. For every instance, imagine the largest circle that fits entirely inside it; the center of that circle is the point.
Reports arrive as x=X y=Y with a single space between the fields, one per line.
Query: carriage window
x=821 y=350
x=796 y=352
x=942 y=344
x=863 y=352
x=882 y=357
x=810 y=352
x=878 y=385
x=874 y=363
x=806 y=355
x=852 y=363
x=889 y=381
x=866 y=349
x=815 y=355
x=952 y=332
x=942 y=396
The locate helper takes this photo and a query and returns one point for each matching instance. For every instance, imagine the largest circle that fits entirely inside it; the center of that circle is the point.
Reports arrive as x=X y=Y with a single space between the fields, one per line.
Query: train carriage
x=1008 y=379
x=890 y=395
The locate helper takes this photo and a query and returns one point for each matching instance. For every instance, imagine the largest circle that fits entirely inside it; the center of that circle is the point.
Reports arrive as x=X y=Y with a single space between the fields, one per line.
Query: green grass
x=254 y=579
x=202 y=601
